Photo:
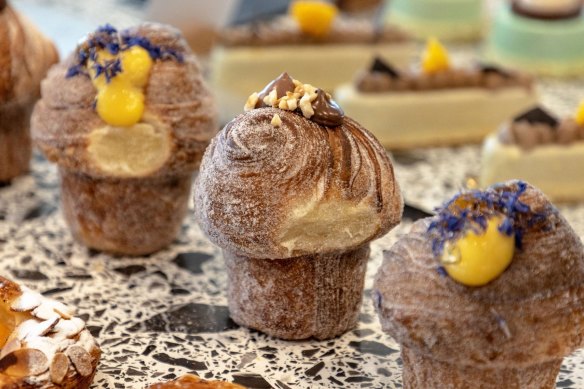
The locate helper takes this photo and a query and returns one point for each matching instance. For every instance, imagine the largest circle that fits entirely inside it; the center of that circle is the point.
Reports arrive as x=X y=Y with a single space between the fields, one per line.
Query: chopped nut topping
x=276 y=121
x=251 y=102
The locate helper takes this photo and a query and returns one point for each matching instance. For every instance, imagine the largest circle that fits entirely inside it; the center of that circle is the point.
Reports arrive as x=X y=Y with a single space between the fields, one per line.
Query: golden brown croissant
x=294 y=196
x=42 y=344
x=25 y=57
x=511 y=333
x=190 y=381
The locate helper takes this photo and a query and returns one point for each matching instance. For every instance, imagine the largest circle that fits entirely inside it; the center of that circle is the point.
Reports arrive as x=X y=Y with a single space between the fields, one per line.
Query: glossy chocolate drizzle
x=326 y=111
x=283 y=83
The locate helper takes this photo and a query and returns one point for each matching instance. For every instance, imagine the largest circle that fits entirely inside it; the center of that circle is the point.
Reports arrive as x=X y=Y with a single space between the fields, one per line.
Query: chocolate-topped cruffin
x=25 y=57
x=126 y=117
x=293 y=191
x=485 y=294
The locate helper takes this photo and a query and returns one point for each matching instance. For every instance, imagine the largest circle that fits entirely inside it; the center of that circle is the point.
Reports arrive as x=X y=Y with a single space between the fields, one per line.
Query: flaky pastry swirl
x=279 y=191
x=43 y=346
x=176 y=100
x=531 y=314
x=25 y=56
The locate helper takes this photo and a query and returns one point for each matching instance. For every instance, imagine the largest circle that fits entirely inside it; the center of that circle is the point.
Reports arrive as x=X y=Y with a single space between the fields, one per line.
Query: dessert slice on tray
x=312 y=41
x=538 y=147
x=436 y=104
x=42 y=344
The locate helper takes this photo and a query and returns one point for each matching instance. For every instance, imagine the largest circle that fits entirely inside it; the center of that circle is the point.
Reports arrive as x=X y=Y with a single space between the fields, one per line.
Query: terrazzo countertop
x=164 y=315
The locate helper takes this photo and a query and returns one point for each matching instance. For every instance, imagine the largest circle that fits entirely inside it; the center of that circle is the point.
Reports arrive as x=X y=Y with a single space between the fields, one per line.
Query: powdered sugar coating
x=257 y=181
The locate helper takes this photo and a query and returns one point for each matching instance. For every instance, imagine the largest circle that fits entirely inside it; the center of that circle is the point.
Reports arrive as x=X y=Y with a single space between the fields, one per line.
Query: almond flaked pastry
x=43 y=345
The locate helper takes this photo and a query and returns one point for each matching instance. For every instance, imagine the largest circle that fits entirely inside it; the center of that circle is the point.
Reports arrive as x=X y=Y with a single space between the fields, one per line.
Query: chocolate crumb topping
x=283 y=84
x=379 y=66
x=569 y=13
x=326 y=111
x=537 y=115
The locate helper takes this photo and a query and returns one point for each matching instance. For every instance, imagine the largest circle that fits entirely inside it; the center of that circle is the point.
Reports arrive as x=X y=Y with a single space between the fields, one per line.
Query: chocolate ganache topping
x=292 y=95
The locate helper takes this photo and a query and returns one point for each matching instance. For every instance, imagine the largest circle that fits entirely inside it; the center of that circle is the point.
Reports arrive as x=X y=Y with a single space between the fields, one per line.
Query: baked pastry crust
x=190 y=381
x=25 y=57
x=176 y=100
x=42 y=345
x=257 y=177
x=518 y=327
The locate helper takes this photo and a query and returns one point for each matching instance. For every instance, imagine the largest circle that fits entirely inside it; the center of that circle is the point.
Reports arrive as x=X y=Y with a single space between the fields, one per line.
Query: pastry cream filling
x=129 y=151
x=328 y=226
x=126 y=147
x=476 y=259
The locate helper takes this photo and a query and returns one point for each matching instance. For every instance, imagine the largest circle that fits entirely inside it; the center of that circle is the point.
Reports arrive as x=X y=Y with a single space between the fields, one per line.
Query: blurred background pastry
x=25 y=57
x=541 y=148
x=310 y=39
x=540 y=36
x=293 y=192
x=126 y=117
x=448 y=20
x=437 y=104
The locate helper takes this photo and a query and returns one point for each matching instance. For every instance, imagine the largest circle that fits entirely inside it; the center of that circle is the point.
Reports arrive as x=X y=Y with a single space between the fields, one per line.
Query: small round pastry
x=127 y=118
x=25 y=57
x=190 y=381
x=293 y=192
x=487 y=291
x=43 y=346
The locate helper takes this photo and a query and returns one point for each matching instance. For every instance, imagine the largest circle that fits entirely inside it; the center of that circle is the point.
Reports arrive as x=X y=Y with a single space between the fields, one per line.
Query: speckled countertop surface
x=160 y=316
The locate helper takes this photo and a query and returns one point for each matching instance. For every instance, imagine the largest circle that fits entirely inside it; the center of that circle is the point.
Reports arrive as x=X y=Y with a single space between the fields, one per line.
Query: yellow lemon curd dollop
x=314 y=17
x=477 y=259
x=579 y=117
x=435 y=58
x=120 y=102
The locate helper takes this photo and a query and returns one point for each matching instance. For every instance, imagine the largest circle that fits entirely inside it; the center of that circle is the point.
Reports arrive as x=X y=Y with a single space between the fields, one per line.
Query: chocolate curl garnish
x=380 y=66
x=537 y=115
x=326 y=111
x=492 y=69
x=283 y=84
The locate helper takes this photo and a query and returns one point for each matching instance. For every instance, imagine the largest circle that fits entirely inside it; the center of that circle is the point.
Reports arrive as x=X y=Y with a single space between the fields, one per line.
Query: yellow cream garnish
x=477 y=259
x=120 y=102
x=435 y=58
x=580 y=114
x=314 y=17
